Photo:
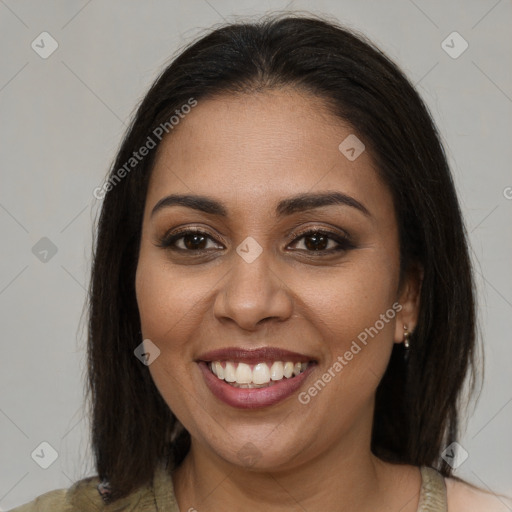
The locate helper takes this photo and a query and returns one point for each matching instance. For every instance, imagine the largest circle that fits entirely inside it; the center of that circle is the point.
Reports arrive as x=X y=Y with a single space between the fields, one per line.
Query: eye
x=321 y=241
x=189 y=240
x=312 y=241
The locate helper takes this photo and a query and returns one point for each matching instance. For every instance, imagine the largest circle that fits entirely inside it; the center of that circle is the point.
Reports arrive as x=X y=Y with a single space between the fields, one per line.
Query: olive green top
x=84 y=496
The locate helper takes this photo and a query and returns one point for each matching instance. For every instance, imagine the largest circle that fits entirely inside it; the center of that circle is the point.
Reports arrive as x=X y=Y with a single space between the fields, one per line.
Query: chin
x=257 y=453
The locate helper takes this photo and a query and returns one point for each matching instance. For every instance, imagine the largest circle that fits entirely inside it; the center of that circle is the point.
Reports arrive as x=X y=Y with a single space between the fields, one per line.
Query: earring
x=406 y=337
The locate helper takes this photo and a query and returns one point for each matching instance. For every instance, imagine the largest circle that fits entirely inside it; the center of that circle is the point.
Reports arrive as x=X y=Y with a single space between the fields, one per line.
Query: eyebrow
x=288 y=206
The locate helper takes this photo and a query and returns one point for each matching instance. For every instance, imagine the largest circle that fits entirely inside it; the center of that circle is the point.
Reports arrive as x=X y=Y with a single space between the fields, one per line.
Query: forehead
x=260 y=147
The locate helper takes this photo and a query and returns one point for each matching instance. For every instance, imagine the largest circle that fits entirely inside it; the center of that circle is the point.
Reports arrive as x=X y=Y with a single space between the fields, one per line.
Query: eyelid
x=341 y=237
x=174 y=234
x=341 y=233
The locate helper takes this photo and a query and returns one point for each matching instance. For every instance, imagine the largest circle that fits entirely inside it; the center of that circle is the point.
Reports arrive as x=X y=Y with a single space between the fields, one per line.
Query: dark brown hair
x=416 y=411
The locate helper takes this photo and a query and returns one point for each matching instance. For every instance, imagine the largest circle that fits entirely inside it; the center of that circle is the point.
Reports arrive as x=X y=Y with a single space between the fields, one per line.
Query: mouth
x=255 y=378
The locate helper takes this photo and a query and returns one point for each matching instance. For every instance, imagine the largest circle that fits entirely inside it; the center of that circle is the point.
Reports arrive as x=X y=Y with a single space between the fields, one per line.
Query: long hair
x=416 y=409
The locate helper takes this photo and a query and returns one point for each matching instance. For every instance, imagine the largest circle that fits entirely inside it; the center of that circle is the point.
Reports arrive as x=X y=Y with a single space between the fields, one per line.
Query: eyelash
x=343 y=242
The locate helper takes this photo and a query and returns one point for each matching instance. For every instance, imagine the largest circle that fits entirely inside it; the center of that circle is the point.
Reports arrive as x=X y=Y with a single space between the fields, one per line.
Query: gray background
x=63 y=118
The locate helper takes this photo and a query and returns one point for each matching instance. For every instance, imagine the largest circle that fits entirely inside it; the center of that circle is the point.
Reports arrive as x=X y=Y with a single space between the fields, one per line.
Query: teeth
x=252 y=386
x=241 y=375
x=229 y=372
x=276 y=371
x=260 y=374
x=288 y=369
x=218 y=370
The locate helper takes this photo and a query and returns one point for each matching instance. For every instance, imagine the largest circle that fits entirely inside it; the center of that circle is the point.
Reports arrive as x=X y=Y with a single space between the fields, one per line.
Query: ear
x=409 y=299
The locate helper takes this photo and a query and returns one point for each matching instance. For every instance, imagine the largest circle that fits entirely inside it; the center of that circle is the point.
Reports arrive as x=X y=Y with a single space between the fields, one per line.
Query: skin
x=249 y=152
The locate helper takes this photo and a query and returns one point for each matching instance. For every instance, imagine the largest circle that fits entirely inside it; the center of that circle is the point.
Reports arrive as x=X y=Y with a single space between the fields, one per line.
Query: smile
x=259 y=375
x=255 y=378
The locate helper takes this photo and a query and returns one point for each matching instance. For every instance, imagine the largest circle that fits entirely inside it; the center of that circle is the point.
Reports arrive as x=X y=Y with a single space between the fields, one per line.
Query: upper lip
x=254 y=355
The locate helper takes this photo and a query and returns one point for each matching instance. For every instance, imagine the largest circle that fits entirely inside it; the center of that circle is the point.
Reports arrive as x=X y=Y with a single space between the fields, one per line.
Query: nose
x=252 y=294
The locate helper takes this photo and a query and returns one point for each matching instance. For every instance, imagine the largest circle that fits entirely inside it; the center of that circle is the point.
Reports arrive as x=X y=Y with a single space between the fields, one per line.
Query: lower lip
x=245 y=398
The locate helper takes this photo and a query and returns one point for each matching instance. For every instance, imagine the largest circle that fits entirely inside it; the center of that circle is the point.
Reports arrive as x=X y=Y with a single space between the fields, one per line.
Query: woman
x=282 y=313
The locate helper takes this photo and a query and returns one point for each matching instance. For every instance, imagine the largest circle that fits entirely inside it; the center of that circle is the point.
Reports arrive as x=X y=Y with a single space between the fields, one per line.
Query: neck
x=345 y=477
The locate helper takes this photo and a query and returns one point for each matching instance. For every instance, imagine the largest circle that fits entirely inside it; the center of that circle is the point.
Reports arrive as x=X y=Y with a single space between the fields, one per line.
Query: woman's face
x=290 y=288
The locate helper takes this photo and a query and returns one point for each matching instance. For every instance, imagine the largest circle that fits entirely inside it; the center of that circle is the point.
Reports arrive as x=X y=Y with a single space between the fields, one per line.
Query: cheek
x=169 y=304
x=351 y=300
x=355 y=313
x=167 y=307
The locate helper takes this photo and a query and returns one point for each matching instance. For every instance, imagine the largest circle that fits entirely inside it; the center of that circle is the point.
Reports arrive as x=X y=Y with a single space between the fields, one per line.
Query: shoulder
x=83 y=496
x=464 y=497
x=63 y=500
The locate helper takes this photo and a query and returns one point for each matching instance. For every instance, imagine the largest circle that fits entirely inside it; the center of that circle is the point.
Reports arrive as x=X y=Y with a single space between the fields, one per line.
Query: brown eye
x=194 y=241
x=322 y=242
x=316 y=242
x=190 y=241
